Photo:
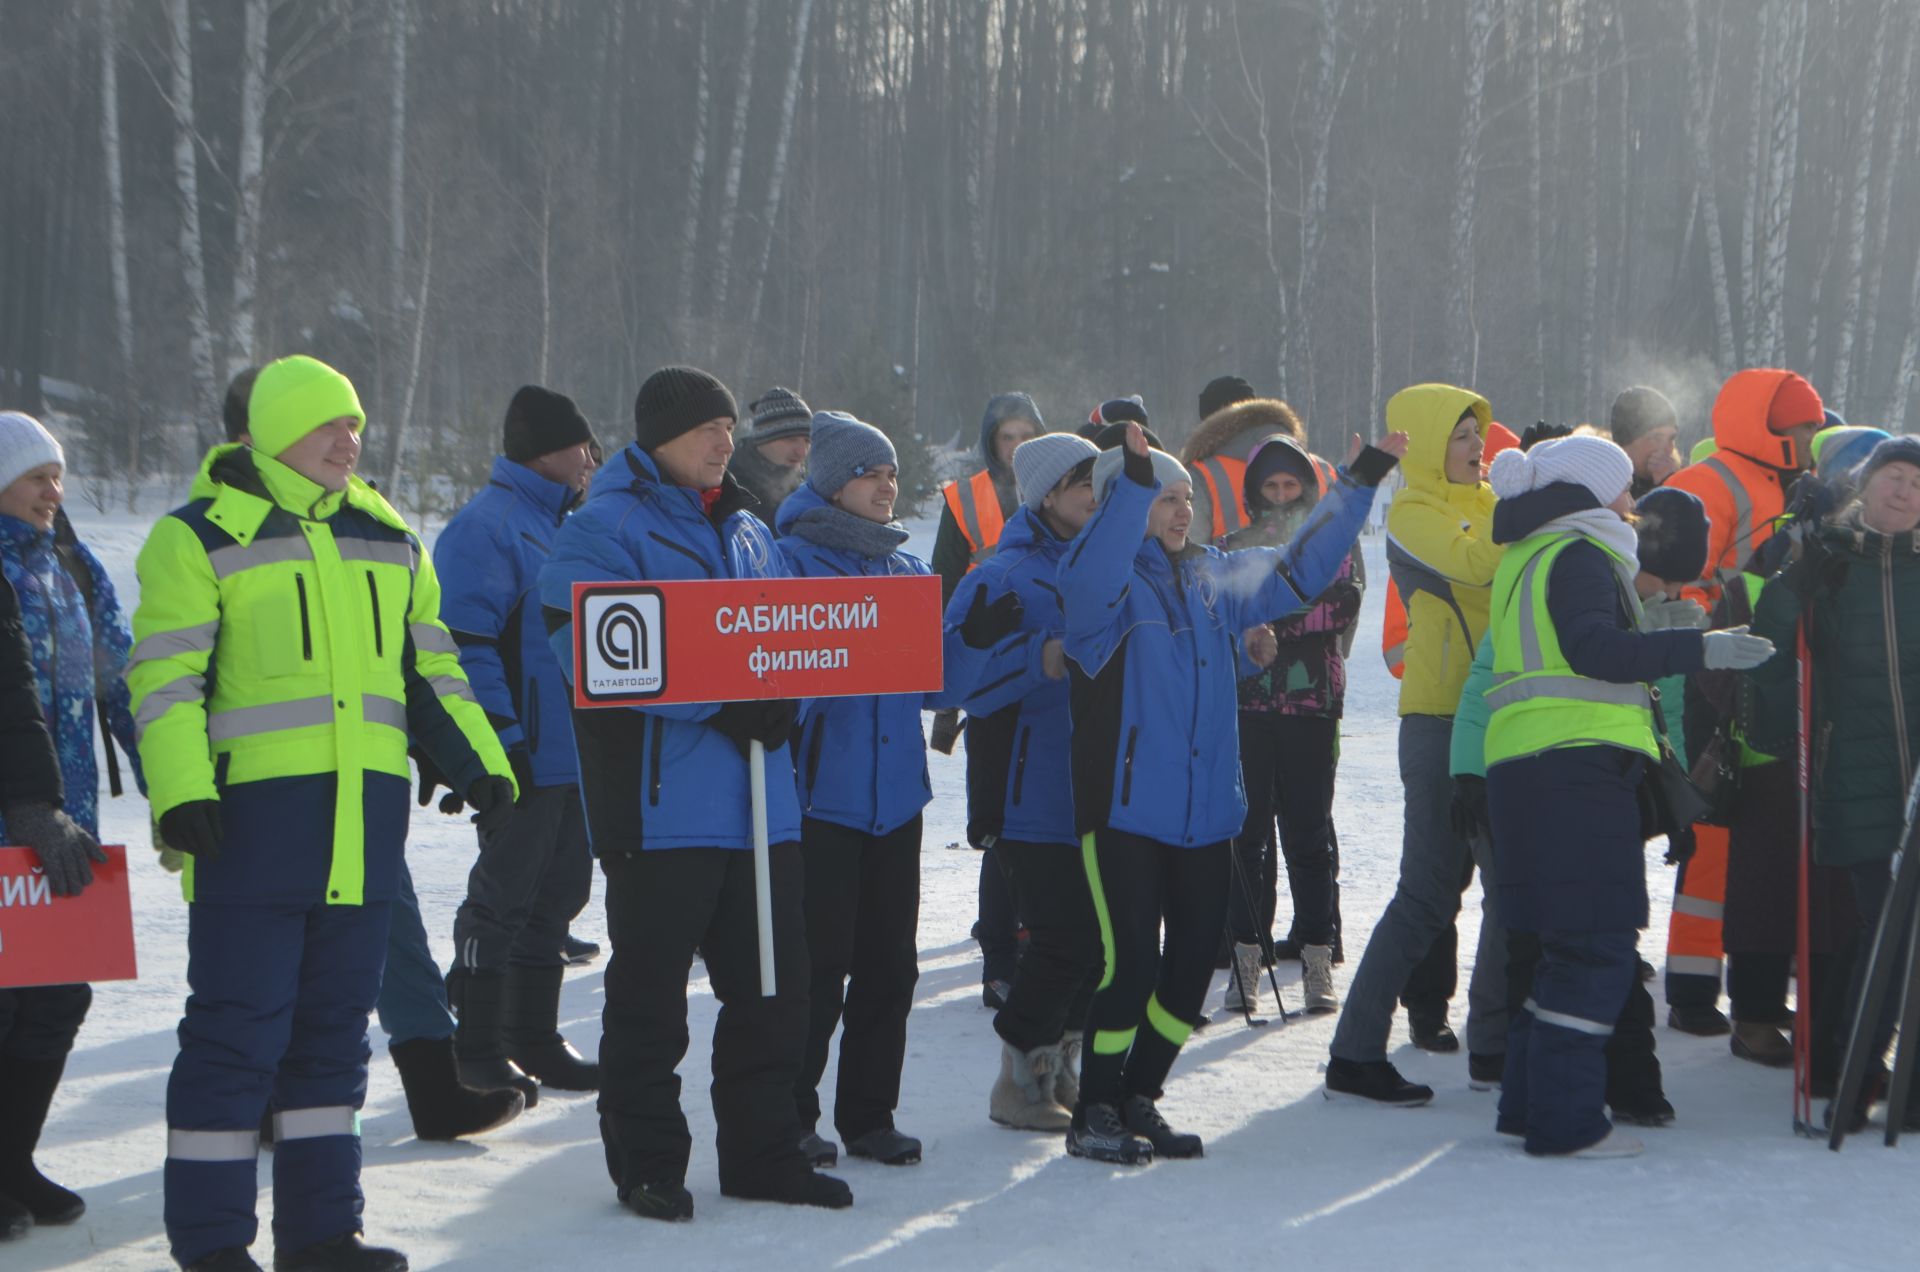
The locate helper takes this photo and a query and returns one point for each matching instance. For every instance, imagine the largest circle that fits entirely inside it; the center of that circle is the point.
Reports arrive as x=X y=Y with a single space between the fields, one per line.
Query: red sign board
x=731 y=640
x=49 y=940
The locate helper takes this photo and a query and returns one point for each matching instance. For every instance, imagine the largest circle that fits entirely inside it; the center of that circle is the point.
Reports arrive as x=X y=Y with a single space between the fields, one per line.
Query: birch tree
x=186 y=182
x=736 y=158
x=250 y=176
x=117 y=269
x=1699 y=131
x=696 y=168
x=1784 y=151
x=777 y=175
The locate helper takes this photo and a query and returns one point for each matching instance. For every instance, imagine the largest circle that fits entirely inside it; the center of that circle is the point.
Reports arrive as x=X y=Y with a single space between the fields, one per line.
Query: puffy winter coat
x=658 y=776
x=1568 y=850
x=862 y=762
x=1154 y=642
x=288 y=642
x=29 y=769
x=1019 y=723
x=78 y=652
x=1743 y=482
x=1864 y=637
x=1309 y=674
x=1439 y=548
x=489 y=558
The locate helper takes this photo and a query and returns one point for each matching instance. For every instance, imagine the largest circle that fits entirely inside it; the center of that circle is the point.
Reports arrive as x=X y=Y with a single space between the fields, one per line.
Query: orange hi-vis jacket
x=1223 y=476
x=976 y=510
x=1744 y=482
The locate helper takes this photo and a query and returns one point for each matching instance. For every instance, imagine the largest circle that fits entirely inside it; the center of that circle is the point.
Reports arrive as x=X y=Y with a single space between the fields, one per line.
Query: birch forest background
x=899 y=207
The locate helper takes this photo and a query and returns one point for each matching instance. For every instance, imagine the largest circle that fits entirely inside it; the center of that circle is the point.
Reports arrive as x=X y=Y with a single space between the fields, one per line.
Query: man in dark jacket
x=770 y=462
x=666 y=791
x=535 y=873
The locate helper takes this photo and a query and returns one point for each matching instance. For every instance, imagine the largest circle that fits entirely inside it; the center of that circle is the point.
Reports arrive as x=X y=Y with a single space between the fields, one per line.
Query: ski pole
x=762 y=864
x=1803 y=998
x=1264 y=938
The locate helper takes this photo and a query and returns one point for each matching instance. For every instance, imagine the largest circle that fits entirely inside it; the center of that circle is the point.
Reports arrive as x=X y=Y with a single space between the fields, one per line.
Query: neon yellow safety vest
x=1537 y=701
x=324 y=612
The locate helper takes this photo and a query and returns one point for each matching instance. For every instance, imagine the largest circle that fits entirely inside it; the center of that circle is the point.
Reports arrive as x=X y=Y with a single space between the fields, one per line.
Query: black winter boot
x=480 y=1058
x=1099 y=1135
x=803 y=1188
x=1143 y=1118
x=1375 y=1080
x=15 y=1219
x=886 y=1146
x=668 y=1200
x=442 y=1109
x=26 y=1093
x=531 y=1029
x=344 y=1253
x=231 y=1259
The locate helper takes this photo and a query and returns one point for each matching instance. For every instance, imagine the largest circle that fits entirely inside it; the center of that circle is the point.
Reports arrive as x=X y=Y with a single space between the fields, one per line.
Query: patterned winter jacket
x=78 y=656
x=1309 y=677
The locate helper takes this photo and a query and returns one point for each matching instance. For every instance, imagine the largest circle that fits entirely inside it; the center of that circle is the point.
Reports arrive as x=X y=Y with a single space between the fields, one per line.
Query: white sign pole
x=762 y=867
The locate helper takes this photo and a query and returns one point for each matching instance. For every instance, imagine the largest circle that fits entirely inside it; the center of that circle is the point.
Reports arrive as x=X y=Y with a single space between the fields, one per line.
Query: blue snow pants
x=1554 y=1090
x=279 y=1005
x=413 y=993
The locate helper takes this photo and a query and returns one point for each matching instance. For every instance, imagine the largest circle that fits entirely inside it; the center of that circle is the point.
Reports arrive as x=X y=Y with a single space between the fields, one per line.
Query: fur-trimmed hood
x=1236 y=429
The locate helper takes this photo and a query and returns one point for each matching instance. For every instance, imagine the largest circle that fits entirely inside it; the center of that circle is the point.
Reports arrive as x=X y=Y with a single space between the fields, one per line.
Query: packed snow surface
x=1289 y=1179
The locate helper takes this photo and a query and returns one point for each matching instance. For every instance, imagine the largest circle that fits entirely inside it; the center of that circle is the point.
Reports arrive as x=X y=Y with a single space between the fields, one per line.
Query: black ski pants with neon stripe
x=1149 y=998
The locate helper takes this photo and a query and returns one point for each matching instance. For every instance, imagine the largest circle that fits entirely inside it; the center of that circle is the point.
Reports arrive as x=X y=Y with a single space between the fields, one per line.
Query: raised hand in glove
x=492 y=800
x=1373 y=464
x=1734 y=649
x=988 y=623
x=64 y=846
x=1665 y=615
x=1541 y=431
x=1468 y=812
x=194 y=828
x=769 y=721
x=431 y=778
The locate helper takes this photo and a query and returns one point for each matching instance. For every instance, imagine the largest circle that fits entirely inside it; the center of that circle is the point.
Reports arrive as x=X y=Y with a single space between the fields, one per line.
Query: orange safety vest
x=1393 y=633
x=1699 y=902
x=1223 y=475
x=976 y=510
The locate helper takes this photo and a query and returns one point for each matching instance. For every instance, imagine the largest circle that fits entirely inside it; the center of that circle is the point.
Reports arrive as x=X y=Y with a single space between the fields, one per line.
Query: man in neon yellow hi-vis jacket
x=287 y=643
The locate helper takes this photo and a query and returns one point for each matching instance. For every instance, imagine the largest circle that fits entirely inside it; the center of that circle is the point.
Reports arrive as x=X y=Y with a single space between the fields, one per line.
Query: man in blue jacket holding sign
x=666 y=790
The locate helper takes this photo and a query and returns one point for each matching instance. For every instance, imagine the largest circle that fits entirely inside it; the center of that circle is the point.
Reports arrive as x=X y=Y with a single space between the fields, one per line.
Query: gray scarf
x=836 y=528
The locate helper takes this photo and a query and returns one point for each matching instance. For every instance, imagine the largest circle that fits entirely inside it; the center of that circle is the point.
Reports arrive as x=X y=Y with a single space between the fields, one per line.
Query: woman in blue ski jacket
x=862 y=780
x=1153 y=631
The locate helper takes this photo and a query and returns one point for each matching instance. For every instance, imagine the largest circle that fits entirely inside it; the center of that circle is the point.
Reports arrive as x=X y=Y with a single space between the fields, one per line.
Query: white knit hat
x=1040 y=462
x=1583 y=459
x=25 y=444
x=1166 y=469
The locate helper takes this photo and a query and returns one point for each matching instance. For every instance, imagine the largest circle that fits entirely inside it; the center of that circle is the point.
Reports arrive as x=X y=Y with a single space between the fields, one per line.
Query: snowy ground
x=1287 y=1175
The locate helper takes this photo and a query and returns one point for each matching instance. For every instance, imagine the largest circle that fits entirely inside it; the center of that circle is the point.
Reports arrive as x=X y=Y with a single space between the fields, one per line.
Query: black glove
x=1812 y=499
x=194 y=828
x=946 y=730
x=64 y=846
x=1371 y=466
x=988 y=623
x=1541 y=431
x=430 y=778
x=1815 y=569
x=522 y=765
x=492 y=800
x=1680 y=846
x=770 y=721
x=1469 y=810
x=1138 y=468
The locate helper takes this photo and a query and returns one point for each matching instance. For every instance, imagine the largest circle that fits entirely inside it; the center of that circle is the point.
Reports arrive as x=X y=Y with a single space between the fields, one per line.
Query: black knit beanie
x=1222 y=392
x=1639 y=411
x=675 y=400
x=539 y=422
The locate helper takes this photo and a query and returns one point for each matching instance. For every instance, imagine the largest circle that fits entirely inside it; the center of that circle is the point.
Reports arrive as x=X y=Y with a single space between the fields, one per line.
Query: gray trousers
x=1432 y=859
x=530 y=881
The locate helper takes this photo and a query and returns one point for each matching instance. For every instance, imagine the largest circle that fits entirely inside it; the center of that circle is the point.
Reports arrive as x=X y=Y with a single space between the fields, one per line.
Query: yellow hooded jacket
x=1439 y=547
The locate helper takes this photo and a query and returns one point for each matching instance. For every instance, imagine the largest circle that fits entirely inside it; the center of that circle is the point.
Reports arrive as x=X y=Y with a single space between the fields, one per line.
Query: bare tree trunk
x=777 y=176
x=1590 y=258
x=1883 y=217
x=396 y=161
x=730 y=203
x=1328 y=79
x=1785 y=148
x=546 y=274
x=250 y=176
x=186 y=184
x=1765 y=64
x=1460 y=271
x=696 y=172
x=1537 y=221
x=403 y=418
x=127 y=410
x=1903 y=380
x=1856 y=231
x=1699 y=127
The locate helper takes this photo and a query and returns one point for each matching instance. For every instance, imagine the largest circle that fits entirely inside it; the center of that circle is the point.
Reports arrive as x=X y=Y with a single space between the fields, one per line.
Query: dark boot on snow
x=1432 y=1035
x=818 y=1150
x=578 y=952
x=807 y=1188
x=668 y=1200
x=26 y=1093
x=480 y=1058
x=344 y=1253
x=1374 y=1080
x=1143 y=1118
x=1641 y=1110
x=16 y=1220
x=1099 y=1135
x=886 y=1146
x=441 y=1108
x=532 y=1031
x=1701 y=1022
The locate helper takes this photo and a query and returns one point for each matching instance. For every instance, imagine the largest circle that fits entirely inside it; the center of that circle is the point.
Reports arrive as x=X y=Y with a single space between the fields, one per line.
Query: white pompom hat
x=1583 y=459
x=25 y=444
